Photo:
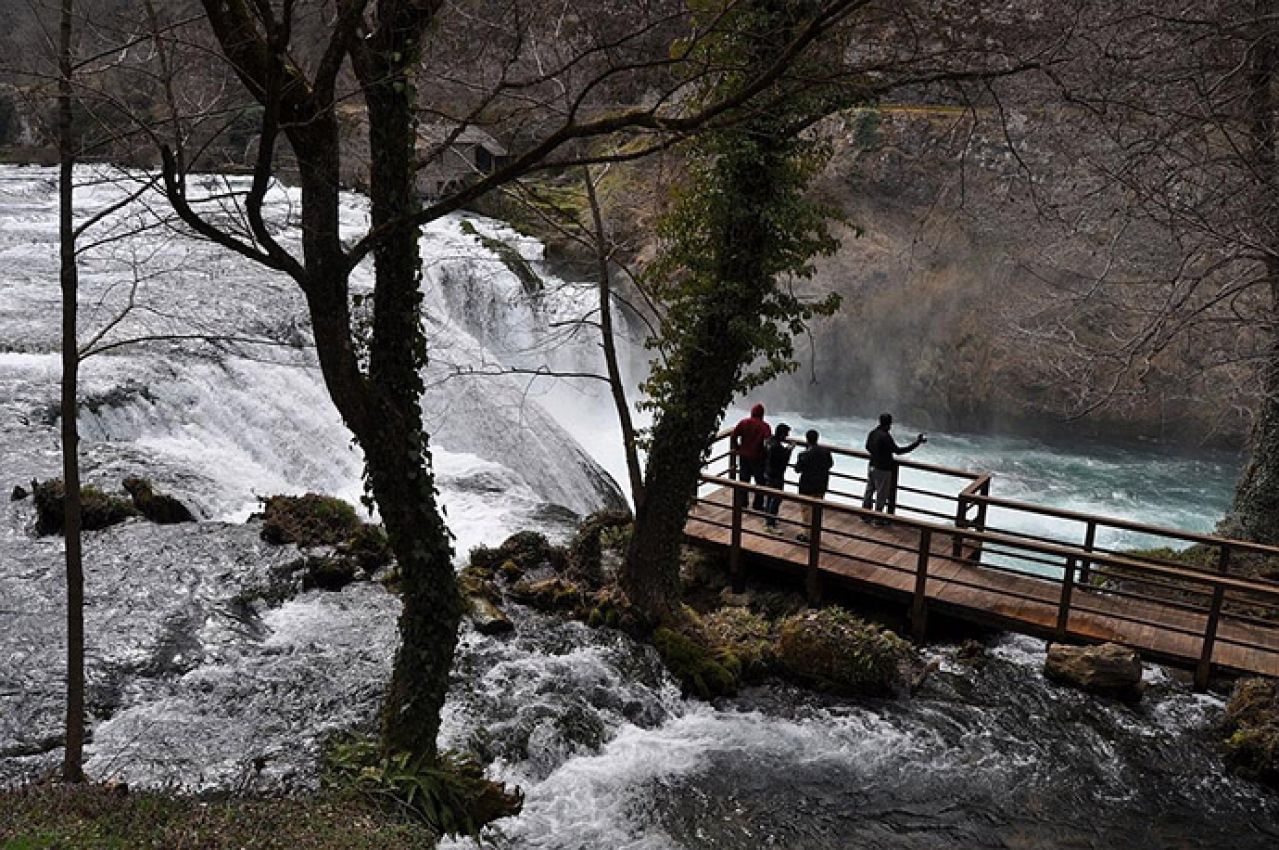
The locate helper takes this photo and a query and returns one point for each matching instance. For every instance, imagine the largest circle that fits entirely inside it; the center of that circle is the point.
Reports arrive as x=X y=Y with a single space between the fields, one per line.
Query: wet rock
x=972 y=652
x=1252 y=724
x=701 y=670
x=160 y=508
x=552 y=594
x=481 y=596
x=835 y=651
x=309 y=520
x=19 y=493
x=1108 y=669
x=98 y=509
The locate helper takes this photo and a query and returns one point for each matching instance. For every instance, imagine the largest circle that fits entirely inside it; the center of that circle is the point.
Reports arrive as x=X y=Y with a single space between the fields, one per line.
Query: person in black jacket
x=777 y=451
x=813 y=465
x=883 y=451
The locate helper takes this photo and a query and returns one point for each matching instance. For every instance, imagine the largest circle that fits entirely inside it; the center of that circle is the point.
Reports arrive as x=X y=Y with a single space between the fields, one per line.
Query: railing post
x=961 y=522
x=1204 y=669
x=735 y=547
x=1223 y=560
x=813 y=580
x=1063 y=610
x=919 y=610
x=892 y=490
x=984 y=490
x=1090 y=539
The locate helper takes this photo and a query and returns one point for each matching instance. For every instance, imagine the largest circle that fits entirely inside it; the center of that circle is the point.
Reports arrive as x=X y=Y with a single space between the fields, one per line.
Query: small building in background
x=451 y=159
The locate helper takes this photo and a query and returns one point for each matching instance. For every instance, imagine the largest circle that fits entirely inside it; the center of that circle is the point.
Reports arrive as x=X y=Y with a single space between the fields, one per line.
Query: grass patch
x=93 y=816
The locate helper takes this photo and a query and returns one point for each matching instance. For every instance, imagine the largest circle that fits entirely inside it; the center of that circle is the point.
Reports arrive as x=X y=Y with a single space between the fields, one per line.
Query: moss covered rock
x=309 y=520
x=701 y=670
x=585 y=550
x=482 y=600
x=369 y=547
x=746 y=635
x=552 y=594
x=526 y=549
x=98 y=509
x=1252 y=724
x=835 y=651
x=160 y=508
x=328 y=573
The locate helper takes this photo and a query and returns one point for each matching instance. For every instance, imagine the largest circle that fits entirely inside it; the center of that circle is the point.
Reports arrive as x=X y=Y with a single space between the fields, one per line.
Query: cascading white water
x=190 y=684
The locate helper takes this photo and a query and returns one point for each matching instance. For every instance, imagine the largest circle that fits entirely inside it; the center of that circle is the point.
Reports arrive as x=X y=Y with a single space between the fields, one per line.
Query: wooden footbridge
x=951 y=547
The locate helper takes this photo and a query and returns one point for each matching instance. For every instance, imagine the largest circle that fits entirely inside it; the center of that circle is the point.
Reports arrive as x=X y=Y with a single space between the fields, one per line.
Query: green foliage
x=98 y=510
x=745 y=635
x=450 y=793
x=701 y=670
x=310 y=520
x=160 y=508
x=833 y=650
x=369 y=547
x=741 y=229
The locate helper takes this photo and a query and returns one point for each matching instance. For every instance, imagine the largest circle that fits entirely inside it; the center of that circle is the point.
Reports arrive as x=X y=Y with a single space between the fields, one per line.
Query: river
x=191 y=688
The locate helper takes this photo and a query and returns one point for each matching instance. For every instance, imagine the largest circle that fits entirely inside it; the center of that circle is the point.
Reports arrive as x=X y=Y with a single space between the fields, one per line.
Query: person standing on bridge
x=777 y=451
x=881 y=476
x=747 y=442
x=813 y=465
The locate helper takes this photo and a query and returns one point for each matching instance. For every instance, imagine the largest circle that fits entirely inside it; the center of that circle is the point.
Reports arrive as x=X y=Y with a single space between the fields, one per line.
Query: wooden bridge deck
x=886 y=561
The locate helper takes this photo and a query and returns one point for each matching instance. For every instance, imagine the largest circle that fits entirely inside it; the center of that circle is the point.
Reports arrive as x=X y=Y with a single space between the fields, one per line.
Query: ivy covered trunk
x=398 y=457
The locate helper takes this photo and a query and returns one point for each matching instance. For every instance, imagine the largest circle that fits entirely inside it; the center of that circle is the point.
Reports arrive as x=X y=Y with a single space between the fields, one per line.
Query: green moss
x=309 y=520
x=510 y=257
x=701 y=670
x=1251 y=722
x=835 y=651
x=745 y=635
x=369 y=547
x=160 y=508
x=98 y=510
x=527 y=549
x=552 y=594
x=328 y=573
x=106 y=818
x=599 y=531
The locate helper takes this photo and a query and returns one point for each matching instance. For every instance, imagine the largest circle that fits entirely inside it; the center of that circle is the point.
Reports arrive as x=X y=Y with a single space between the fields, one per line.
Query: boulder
x=835 y=651
x=1251 y=723
x=585 y=551
x=487 y=617
x=19 y=493
x=160 y=508
x=328 y=573
x=526 y=549
x=1108 y=669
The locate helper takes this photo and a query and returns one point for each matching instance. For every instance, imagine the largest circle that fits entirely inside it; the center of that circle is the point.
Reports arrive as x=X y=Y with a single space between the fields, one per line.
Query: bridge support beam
x=919 y=608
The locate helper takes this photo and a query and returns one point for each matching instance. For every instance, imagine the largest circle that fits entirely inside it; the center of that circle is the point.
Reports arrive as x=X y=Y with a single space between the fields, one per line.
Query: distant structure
x=455 y=161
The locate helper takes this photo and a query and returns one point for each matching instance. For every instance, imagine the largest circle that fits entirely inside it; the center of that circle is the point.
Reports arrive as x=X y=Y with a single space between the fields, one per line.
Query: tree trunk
x=710 y=361
x=1257 y=496
x=609 y=344
x=397 y=451
x=73 y=758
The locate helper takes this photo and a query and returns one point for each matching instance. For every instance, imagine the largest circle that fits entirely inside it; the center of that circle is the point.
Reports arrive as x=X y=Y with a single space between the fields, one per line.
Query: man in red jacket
x=748 y=442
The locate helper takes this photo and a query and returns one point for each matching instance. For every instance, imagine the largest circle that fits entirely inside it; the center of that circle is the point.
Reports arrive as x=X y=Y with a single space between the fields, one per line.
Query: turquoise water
x=1152 y=486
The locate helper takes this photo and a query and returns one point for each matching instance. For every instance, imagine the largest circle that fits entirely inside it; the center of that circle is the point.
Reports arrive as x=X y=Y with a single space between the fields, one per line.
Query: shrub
x=369 y=547
x=526 y=549
x=833 y=650
x=451 y=795
x=160 y=508
x=1252 y=723
x=745 y=635
x=700 y=670
x=97 y=509
x=310 y=520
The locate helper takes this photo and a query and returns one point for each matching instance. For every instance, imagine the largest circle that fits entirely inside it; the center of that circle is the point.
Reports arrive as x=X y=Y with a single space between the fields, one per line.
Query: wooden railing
x=1062 y=578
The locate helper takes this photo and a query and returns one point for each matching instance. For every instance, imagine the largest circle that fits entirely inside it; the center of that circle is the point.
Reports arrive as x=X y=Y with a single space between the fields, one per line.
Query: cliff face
x=962 y=266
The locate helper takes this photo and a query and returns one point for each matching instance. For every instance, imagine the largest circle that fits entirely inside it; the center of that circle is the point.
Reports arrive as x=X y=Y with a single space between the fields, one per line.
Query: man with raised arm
x=883 y=451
